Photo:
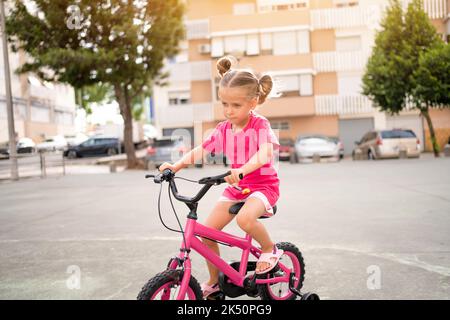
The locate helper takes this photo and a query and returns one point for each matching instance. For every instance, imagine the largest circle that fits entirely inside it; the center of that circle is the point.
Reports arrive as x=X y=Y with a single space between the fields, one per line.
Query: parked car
x=286 y=150
x=4 y=150
x=26 y=145
x=75 y=139
x=52 y=144
x=165 y=149
x=94 y=146
x=340 y=145
x=309 y=145
x=388 y=144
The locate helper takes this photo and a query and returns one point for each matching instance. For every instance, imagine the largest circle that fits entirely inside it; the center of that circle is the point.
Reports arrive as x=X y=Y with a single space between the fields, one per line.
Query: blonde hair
x=231 y=78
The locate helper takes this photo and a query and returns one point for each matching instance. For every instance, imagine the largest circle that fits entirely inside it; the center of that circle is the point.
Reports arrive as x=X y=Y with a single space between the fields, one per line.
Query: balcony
x=335 y=18
x=342 y=105
x=230 y=23
x=339 y=61
x=436 y=9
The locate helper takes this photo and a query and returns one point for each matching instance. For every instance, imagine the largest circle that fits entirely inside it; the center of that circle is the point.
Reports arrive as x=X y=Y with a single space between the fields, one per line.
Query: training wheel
x=310 y=296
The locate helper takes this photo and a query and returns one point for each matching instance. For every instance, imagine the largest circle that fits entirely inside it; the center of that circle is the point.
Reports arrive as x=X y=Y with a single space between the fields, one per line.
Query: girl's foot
x=268 y=260
x=208 y=289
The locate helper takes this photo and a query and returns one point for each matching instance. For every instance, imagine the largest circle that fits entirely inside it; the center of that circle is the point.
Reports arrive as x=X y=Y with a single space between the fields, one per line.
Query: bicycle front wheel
x=166 y=285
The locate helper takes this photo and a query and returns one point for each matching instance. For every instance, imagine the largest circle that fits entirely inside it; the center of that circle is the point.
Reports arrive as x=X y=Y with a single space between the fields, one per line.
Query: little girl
x=247 y=139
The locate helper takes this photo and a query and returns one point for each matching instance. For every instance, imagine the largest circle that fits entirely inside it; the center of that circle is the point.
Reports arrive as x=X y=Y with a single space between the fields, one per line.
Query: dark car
x=94 y=146
x=286 y=150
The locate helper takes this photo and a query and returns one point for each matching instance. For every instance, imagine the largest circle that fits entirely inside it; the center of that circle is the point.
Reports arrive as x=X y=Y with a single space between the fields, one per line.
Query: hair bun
x=265 y=86
x=223 y=65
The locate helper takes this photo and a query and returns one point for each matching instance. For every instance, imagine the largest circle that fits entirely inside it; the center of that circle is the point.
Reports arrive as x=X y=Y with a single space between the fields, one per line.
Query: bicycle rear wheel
x=166 y=285
x=293 y=260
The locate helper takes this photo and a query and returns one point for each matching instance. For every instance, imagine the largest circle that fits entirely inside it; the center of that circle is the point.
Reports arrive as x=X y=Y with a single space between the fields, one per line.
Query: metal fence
x=40 y=164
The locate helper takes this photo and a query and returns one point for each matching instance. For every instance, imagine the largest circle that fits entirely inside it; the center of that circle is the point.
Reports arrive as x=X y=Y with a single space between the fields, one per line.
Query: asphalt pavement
x=366 y=229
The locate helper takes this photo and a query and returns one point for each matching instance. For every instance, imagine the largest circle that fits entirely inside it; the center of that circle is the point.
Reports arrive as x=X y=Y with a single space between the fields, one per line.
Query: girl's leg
x=247 y=221
x=218 y=219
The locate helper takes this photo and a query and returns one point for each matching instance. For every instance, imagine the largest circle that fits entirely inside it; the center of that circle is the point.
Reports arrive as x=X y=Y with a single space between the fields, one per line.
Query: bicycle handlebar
x=168 y=175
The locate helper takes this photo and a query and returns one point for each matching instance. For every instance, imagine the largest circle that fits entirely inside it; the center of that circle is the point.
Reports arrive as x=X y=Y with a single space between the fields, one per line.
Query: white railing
x=342 y=105
x=200 y=70
x=436 y=9
x=197 y=29
x=335 y=18
x=339 y=61
x=368 y=15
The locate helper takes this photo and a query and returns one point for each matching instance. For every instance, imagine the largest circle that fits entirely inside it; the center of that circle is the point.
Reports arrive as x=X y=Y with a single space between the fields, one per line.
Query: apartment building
x=316 y=50
x=41 y=109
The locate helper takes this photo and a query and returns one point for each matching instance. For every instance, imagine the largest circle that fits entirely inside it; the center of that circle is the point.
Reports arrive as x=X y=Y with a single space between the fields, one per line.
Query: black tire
x=264 y=291
x=111 y=152
x=165 y=277
x=72 y=154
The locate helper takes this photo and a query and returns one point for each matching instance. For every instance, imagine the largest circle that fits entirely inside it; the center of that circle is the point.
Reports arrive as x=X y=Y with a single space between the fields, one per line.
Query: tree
x=420 y=36
x=432 y=83
x=120 y=43
x=388 y=80
x=385 y=79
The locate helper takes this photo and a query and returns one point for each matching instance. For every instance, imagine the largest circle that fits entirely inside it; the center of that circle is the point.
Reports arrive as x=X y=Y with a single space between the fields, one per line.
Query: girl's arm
x=189 y=158
x=260 y=158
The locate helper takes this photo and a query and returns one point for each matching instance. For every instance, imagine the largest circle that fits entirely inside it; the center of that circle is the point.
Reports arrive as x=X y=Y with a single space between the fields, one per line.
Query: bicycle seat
x=234 y=209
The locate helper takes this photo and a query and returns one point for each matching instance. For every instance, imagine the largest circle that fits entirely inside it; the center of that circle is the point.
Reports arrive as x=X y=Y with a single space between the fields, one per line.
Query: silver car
x=167 y=149
x=319 y=145
x=380 y=144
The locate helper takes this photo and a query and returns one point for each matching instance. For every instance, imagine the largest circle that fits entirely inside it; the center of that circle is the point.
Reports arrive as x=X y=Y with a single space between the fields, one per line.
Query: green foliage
x=432 y=78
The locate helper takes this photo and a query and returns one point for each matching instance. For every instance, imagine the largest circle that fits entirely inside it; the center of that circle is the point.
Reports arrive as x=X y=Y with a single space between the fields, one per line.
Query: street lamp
x=9 y=106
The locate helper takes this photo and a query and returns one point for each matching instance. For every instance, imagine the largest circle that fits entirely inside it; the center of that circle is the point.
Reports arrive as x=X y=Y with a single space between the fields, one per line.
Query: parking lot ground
x=367 y=230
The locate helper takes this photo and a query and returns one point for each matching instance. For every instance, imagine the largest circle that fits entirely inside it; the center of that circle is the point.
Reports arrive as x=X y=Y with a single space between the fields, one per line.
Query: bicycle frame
x=193 y=229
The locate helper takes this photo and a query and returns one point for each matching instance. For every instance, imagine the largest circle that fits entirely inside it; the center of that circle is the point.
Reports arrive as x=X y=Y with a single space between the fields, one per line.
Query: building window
x=217 y=49
x=243 y=8
x=235 y=44
x=40 y=114
x=266 y=43
x=303 y=41
x=350 y=43
x=306 y=85
x=345 y=3
x=281 y=5
x=252 y=45
x=280 y=125
x=179 y=98
x=294 y=85
x=283 y=43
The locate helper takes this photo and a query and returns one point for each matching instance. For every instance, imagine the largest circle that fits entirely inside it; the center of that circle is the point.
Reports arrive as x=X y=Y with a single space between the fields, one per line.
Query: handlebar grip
x=149 y=176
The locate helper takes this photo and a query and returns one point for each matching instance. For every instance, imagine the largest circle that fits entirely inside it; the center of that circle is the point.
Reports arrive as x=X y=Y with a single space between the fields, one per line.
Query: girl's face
x=236 y=104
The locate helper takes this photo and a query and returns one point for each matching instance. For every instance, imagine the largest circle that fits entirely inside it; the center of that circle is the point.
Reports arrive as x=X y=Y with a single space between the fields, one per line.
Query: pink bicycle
x=236 y=279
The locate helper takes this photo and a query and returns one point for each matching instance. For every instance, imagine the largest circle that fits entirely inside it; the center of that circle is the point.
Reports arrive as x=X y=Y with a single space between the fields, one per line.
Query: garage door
x=185 y=132
x=413 y=123
x=351 y=130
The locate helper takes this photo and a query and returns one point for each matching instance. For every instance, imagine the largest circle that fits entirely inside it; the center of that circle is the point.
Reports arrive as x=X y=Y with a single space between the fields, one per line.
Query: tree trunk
x=125 y=110
x=426 y=115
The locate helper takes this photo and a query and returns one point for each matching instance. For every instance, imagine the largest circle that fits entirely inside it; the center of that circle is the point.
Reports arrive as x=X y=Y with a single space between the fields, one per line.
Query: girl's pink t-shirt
x=239 y=148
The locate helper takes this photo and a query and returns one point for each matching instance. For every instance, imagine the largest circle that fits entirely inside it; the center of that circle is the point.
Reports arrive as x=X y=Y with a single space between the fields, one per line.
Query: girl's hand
x=170 y=166
x=233 y=178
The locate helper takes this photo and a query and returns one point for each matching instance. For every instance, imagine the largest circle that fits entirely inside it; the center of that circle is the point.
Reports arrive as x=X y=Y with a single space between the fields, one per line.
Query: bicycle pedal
x=219 y=295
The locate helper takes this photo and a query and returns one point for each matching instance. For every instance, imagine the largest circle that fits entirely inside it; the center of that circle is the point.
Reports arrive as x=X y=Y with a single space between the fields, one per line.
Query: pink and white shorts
x=256 y=194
